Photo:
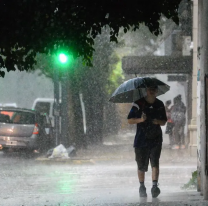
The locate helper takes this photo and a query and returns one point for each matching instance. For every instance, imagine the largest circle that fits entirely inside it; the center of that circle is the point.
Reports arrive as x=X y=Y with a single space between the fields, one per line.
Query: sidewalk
x=118 y=148
x=124 y=152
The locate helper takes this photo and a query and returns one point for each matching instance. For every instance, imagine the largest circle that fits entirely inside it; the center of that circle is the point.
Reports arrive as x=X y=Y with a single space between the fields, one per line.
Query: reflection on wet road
x=25 y=181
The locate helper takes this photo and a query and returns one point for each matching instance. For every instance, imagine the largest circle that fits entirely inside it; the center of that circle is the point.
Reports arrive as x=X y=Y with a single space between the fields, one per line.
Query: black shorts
x=144 y=154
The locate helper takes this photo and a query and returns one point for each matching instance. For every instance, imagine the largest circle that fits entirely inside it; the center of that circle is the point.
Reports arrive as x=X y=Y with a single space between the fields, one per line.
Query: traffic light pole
x=61 y=113
x=64 y=109
x=56 y=109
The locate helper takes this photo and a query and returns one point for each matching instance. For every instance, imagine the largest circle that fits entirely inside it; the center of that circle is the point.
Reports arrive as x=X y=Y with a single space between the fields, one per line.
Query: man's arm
x=160 y=122
x=137 y=120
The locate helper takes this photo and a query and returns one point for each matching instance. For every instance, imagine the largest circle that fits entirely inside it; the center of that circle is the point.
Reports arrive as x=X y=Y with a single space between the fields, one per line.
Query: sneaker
x=175 y=146
x=142 y=191
x=155 y=191
x=182 y=146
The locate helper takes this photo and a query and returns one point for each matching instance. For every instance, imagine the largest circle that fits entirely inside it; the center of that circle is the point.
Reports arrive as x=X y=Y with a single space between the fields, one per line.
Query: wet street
x=25 y=181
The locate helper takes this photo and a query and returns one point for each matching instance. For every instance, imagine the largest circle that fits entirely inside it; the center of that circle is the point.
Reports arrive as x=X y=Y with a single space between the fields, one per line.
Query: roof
x=17 y=109
x=157 y=64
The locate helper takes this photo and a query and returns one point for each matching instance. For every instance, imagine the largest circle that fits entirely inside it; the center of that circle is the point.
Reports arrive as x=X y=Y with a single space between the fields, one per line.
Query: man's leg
x=171 y=140
x=182 y=137
x=142 y=188
x=141 y=176
x=154 y=158
x=176 y=137
x=155 y=173
x=142 y=159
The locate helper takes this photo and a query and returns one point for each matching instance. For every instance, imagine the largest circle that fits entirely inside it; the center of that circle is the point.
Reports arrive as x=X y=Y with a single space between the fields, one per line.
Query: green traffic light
x=62 y=58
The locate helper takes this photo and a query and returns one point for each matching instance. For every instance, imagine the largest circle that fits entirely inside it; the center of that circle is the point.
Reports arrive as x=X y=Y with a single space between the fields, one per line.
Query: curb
x=64 y=161
x=95 y=161
x=80 y=161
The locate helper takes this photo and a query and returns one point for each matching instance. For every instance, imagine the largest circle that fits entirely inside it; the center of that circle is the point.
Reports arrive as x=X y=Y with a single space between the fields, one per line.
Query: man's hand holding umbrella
x=138 y=120
x=160 y=122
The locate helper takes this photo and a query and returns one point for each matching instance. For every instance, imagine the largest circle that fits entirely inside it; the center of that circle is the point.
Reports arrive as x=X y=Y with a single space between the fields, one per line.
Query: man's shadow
x=145 y=200
x=155 y=200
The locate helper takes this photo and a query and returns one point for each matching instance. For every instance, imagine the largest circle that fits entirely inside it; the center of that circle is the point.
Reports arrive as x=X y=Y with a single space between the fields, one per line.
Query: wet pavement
x=28 y=181
x=101 y=175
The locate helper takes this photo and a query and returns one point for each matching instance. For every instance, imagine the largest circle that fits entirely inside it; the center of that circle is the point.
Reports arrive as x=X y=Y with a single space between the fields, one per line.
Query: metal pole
x=56 y=109
x=64 y=109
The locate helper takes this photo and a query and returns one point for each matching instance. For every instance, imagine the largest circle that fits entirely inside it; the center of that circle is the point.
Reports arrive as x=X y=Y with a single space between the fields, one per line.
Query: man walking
x=169 y=125
x=178 y=116
x=149 y=114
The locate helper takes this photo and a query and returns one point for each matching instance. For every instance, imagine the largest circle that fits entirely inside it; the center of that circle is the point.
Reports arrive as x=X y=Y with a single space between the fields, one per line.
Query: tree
x=98 y=82
x=93 y=84
x=35 y=26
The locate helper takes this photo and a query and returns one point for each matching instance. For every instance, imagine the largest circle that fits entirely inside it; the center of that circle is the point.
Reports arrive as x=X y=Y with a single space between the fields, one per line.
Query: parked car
x=24 y=129
x=8 y=105
x=45 y=105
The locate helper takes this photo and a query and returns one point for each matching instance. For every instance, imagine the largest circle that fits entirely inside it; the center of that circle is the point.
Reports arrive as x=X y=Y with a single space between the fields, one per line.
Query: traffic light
x=63 y=58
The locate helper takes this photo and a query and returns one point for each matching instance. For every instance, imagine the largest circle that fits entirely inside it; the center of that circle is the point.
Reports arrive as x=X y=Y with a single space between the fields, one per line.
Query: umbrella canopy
x=134 y=89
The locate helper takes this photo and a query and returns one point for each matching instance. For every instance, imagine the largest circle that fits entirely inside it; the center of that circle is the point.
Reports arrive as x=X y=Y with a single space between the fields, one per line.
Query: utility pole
x=56 y=109
x=64 y=61
x=64 y=109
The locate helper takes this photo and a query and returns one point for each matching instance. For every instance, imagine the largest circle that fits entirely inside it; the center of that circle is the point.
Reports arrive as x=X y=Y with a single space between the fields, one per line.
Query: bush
x=192 y=184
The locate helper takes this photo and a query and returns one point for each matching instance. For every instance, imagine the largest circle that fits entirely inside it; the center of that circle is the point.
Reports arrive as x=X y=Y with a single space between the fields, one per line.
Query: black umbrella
x=134 y=89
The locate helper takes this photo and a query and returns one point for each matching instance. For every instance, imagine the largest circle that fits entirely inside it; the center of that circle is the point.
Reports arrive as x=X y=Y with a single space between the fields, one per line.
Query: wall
x=203 y=62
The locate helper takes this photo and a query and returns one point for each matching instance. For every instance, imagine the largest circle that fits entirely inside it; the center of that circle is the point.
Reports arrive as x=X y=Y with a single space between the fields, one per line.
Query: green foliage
x=192 y=184
x=36 y=27
x=115 y=77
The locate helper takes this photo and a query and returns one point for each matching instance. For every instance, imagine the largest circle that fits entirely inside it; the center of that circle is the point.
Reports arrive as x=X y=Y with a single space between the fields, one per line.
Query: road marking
x=179 y=167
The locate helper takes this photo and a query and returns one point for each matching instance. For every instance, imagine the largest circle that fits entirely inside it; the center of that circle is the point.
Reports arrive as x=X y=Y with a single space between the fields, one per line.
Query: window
x=43 y=107
x=17 y=117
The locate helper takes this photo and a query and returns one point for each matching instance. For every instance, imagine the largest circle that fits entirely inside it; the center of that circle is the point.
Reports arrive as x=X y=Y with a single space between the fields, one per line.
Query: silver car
x=24 y=129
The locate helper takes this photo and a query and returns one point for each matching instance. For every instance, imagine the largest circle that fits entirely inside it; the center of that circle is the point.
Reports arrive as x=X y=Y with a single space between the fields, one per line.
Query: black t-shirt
x=155 y=110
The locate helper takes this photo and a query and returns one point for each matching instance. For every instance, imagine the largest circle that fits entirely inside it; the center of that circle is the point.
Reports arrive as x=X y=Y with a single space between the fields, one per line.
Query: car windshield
x=17 y=117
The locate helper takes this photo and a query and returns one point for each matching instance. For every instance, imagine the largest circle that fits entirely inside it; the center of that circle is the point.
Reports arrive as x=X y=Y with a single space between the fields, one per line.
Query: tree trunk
x=93 y=98
x=75 y=123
